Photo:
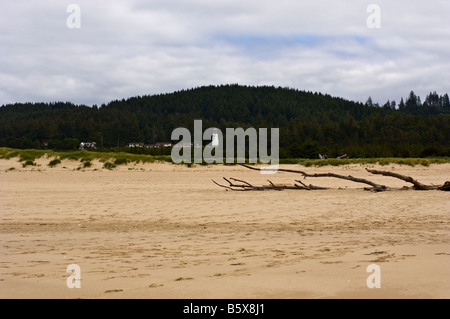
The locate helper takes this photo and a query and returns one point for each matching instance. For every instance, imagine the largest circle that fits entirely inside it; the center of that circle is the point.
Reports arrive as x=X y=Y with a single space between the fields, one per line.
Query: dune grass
x=368 y=161
x=54 y=162
x=121 y=158
x=109 y=165
x=28 y=163
x=82 y=156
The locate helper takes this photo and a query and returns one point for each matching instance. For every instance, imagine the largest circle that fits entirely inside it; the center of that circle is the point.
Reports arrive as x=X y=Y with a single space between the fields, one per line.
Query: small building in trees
x=163 y=144
x=131 y=145
x=88 y=145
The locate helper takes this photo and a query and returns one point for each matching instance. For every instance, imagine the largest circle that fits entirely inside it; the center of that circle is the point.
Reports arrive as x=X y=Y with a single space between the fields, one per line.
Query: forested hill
x=309 y=123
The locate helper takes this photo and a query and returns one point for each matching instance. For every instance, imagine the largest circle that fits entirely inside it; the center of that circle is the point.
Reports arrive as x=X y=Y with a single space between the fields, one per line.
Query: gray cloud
x=128 y=48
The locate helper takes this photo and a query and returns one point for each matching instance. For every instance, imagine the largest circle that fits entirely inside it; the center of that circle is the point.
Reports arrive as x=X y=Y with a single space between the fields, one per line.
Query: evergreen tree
x=393 y=105
x=432 y=99
x=445 y=101
x=369 y=102
x=401 y=105
x=411 y=102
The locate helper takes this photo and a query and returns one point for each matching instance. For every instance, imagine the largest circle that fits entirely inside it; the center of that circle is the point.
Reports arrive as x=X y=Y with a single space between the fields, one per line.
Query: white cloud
x=128 y=48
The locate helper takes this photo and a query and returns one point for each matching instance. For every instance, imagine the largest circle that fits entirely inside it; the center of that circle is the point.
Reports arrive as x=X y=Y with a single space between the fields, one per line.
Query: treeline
x=310 y=123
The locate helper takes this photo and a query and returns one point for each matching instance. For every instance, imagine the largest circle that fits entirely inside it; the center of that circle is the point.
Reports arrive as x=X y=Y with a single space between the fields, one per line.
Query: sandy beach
x=166 y=231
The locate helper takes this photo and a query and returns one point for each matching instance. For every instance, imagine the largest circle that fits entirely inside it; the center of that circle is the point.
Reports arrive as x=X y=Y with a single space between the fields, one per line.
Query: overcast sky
x=135 y=47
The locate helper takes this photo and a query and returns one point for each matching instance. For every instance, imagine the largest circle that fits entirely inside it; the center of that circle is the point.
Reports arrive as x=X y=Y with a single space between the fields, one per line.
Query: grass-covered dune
x=364 y=161
x=83 y=156
x=121 y=158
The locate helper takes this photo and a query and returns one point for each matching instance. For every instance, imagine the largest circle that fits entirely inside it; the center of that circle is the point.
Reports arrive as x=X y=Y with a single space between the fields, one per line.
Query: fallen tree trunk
x=245 y=186
x=417 y=185
x=375 y=187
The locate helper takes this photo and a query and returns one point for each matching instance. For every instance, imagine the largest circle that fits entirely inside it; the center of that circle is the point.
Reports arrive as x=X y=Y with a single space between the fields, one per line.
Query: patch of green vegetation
x=54 y=162
x=87 y=164
x=28 y=163
x=109 y=165
x=121 y=161
x=11 y=155
x=73 y=155
x=26 y=156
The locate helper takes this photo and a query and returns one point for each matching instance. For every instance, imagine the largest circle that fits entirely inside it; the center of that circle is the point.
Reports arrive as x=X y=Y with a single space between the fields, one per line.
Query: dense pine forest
x=310 y=123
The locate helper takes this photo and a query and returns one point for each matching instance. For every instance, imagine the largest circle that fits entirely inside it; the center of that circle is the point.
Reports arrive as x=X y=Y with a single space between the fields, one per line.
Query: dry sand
x=166 y=231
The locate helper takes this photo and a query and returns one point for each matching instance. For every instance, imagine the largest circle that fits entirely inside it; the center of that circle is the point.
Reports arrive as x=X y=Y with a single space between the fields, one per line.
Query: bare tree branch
x=273 y=169
x=244 y=182
x=375 y=187
x=311 y=187
x=417 y=185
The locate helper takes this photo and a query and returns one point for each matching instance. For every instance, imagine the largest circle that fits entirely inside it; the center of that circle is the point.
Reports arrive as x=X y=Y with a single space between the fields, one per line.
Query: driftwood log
x=240 y=185
x=375 y=187
x=417 y=185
